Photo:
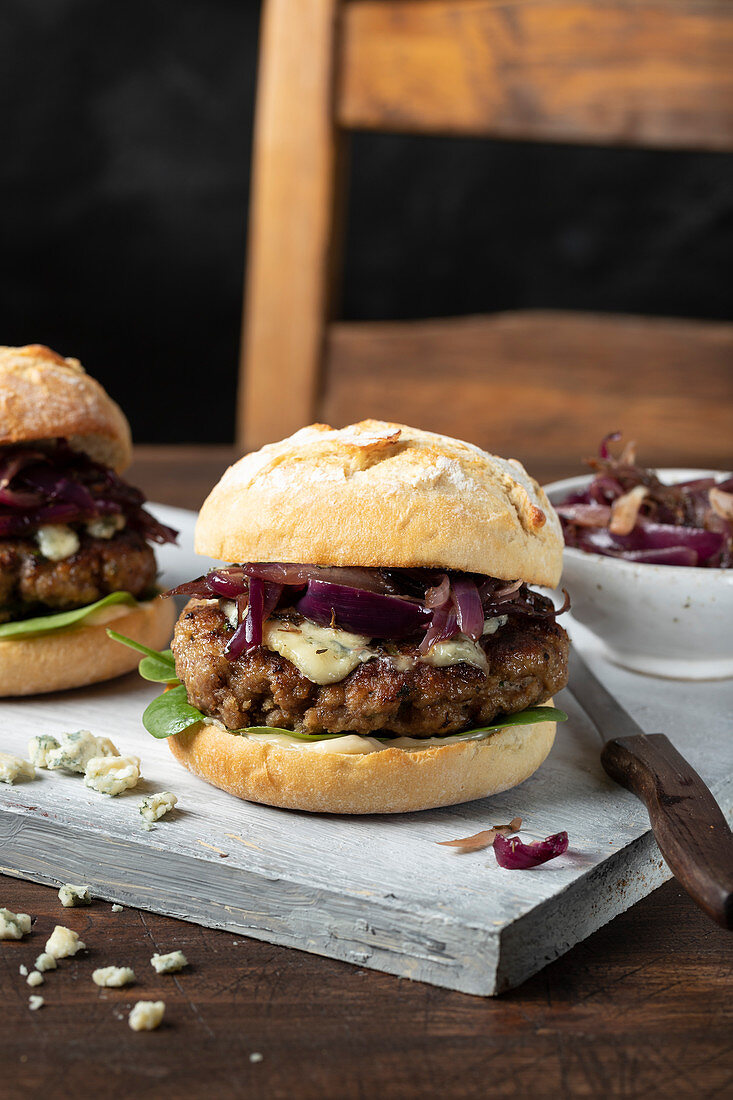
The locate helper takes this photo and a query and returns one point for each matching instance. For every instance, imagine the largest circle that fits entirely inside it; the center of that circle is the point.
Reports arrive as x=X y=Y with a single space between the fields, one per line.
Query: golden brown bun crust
x=44 y=396
x=388 y=782
x=84 y=654
x=376 y=494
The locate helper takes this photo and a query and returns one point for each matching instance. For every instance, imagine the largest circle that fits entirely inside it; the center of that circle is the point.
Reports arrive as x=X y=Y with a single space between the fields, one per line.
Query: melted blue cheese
x=326 y=654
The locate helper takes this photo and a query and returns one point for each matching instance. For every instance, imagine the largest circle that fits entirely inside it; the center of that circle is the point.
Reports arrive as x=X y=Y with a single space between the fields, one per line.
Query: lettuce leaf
x=45 y=624
x=171 y=712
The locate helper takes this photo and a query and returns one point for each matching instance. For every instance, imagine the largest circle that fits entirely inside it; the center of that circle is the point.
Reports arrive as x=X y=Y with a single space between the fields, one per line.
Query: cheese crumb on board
x=35 y=1002
x=40 y=747
x=72 y=895
x=155 y=806
x=113 y=976
x=13 y=926
x=112 y=774
x=63 y=942
x=146 y=1015
x=170 y=963
x=35 y=978
x=14 y=767
x=23 y=970
x=45 y=962
x=116 y=908
x=255 y=1056
x=77 y=749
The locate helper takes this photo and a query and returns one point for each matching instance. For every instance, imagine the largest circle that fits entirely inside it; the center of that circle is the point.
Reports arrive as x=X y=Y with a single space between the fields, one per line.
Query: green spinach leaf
x=45 y=624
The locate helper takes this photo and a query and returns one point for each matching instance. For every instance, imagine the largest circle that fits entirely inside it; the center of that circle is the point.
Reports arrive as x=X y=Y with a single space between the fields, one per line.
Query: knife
x=687 y=822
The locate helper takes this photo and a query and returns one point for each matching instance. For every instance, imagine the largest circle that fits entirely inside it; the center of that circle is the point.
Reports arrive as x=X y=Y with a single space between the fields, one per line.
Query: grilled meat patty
x=527 y=663
x=29 y=582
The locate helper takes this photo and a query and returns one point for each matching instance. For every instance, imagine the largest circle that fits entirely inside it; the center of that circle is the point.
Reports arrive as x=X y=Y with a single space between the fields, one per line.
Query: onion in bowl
x=671 y=620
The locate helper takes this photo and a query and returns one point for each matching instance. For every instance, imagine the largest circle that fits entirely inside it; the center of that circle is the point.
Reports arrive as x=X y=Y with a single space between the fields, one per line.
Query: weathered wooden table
x=642 y=1007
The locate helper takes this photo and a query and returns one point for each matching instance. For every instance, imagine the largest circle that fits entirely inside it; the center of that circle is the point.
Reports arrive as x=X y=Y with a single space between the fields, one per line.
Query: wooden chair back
x=608 y=71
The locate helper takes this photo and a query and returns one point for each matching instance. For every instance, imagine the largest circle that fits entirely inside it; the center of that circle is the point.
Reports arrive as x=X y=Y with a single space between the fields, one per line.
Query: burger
x=75 y=538
x=371 y=644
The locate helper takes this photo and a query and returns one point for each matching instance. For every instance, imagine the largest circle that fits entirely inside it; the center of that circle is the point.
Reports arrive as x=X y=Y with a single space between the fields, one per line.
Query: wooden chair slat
x=645 y=73
x=544 y=386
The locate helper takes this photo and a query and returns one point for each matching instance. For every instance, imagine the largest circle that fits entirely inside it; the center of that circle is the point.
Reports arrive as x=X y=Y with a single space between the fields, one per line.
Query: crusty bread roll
x=378 y=494
x=44 y=396
x=386 y=782
x=83 y=654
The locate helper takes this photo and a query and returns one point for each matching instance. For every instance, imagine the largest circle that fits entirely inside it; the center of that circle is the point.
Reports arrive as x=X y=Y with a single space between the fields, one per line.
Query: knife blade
x=688 y=824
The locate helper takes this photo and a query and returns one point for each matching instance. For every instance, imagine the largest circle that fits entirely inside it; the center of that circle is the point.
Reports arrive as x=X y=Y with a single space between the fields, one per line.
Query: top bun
x=379 y=494
x=44 y=396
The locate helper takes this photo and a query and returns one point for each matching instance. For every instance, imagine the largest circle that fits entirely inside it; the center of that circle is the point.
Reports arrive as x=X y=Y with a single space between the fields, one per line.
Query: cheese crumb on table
x=112 y=774
x=255 y=1056
x=35 y=978
x=13 y=926
x=63 y=942
x=14 y=767
x=113 y=976
x=40 y=748
x=45 y=962
x=170 y=963
x=116 y=908
x=35 y=1002
x=71 y=895
x=146 y=1015
x=23 y=970
x=155 y=806
x=77 y=749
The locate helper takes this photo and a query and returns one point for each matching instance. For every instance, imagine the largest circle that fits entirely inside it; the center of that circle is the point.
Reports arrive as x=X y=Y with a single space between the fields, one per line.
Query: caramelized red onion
x=628 y=512
x=513 y=854
x=55 y=484
x=388 y=604
x=361 y=612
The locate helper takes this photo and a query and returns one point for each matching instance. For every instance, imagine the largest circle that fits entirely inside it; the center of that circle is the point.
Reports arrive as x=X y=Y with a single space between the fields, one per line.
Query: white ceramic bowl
x=664 y=620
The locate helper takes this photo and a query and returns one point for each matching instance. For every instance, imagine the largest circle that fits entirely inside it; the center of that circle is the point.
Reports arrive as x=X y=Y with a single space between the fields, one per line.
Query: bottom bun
x=390 y=781
x=84 y=654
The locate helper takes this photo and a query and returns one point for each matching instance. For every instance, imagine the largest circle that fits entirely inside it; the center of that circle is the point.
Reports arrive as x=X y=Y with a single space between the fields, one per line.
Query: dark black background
x=124 y=184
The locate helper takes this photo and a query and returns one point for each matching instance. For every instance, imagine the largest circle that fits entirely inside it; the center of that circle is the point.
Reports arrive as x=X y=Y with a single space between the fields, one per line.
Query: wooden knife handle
x=692 y=834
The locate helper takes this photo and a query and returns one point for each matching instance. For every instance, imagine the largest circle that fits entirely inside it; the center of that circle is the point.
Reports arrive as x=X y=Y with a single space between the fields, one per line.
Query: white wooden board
x=375 y=891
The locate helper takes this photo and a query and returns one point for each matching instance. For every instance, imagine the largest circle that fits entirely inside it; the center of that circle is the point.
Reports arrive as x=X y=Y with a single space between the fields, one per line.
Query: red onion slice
x=362 y=612
x=512 y=854
x=469 y=611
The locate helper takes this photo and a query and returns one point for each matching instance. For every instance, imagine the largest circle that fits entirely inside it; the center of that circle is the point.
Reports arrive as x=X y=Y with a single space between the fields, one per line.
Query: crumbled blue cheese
x=112 y=774
x=13 y=926
x=146 y=1015
x=327 y=654
x=45 y=962
x=116 y=908
x=71 y=895
x=63 y=942
x=77 y=749
x=57 y=541
x=323 y=654
x=23 y=971
x=170 y=963
x=35 y=1002
x=40 y=748
x=113 y=976
x=105 y=527
x=155 y=806
x=35 y=978
x=14 y=767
